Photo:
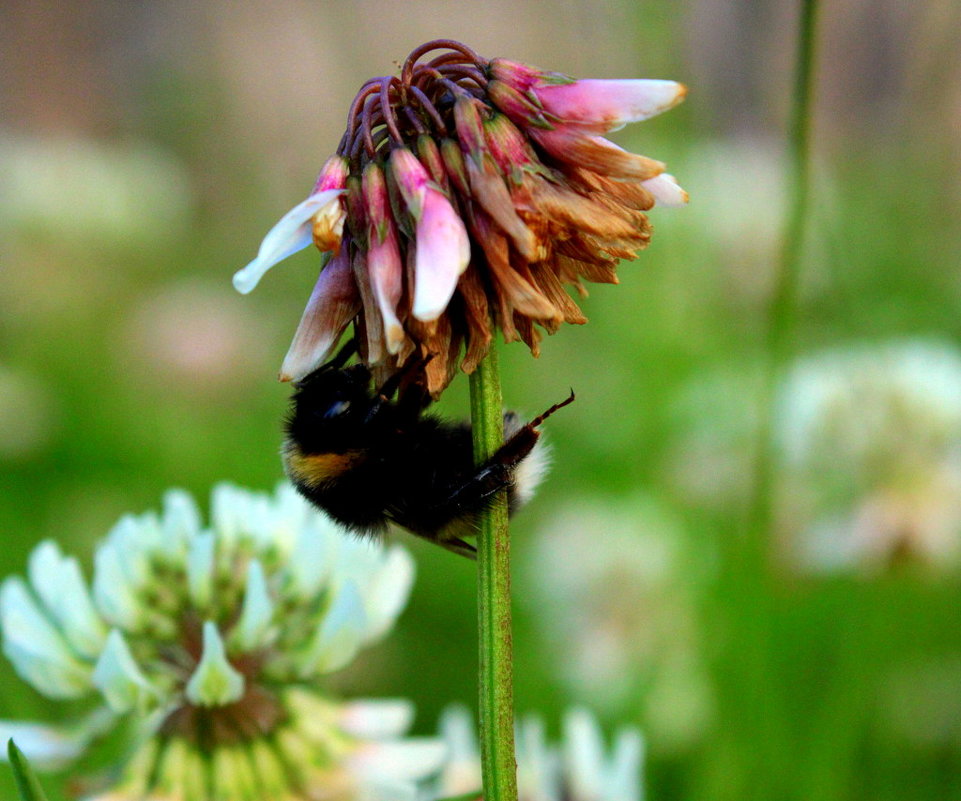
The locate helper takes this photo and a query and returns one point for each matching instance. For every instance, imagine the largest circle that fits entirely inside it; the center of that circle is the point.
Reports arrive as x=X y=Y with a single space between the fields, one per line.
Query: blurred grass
x=807 y=673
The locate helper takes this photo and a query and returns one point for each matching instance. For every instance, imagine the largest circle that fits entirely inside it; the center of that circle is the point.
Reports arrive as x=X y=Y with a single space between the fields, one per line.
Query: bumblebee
x=369 y=459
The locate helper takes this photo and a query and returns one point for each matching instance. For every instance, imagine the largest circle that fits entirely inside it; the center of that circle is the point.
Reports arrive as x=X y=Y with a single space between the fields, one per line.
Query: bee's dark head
x=329 y=409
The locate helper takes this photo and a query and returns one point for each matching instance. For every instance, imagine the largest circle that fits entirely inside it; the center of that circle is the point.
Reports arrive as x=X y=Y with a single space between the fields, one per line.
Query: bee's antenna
x=541 y=418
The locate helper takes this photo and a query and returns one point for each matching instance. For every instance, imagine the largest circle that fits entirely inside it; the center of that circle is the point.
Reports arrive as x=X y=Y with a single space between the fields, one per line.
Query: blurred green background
x=145 y=149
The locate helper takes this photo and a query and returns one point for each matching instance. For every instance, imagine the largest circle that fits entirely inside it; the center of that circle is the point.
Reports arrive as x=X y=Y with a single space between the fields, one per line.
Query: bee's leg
x=497 y=472
x=414 y=399
x=392 y=384
x=348 y=350
x=522 y=442
x=458 y=546
x=542 y=417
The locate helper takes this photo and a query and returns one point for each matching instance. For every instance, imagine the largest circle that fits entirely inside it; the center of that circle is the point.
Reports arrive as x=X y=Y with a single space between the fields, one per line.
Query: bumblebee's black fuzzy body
x=369 y=460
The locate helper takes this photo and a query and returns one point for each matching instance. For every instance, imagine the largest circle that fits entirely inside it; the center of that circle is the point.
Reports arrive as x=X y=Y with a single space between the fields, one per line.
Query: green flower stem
x=494 y=597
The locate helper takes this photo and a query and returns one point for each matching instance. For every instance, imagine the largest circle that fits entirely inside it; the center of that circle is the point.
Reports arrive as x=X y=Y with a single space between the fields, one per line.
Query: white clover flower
x=209 y=643
x=871 y=440
x=579 y=769
x=618 y=611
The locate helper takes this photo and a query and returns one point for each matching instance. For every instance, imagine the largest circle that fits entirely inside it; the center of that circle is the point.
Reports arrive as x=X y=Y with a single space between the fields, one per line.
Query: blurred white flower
x=613 y=587
x=579 y=769
x=193 y=335
x=744 y=175
x=871 y=440
x=209 y=642
x=80 y=189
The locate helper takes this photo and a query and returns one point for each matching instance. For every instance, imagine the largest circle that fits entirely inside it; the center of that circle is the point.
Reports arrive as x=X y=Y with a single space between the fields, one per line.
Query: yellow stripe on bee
x=319 y=468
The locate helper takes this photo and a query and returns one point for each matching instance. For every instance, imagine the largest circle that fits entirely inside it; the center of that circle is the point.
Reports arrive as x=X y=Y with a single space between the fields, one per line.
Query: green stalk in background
x=757 y=700
x=782 y=309
x=494 y=597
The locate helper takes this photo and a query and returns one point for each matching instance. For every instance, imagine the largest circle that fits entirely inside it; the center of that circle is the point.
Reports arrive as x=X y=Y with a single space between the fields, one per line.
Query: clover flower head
x=871 y=437
x=465 y=194
x=579 y=769
x=619 y=614
x=208 y=643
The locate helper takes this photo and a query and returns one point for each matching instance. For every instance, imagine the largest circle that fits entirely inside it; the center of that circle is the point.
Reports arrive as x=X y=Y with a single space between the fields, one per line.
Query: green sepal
x=556 y=79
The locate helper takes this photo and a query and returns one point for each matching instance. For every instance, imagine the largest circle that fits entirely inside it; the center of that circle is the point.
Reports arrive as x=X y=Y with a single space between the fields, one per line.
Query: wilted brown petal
x=477 y=318
x=524 y=297
x=630 y=193
x=576 y=211
x=547 y=279
x=596 y=153
x=490 y=191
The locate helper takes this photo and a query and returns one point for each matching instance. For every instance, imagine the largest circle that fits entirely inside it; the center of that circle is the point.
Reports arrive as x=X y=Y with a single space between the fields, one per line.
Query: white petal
x=136 y=537
x=537 y=766
x=229 y=511
x=214 y=682
x=200 y=569
x=411 y=759
x=119 y=678
x=666 y=191
x=180 y=522
x=292 y=233
x=625 y=780
x=457 y=729
x=257 y=613
x=57 y=581
x=387 y=593
x=37 y=650
x=462 y=766
x=47 y=747
x=380 y=719
x=310 y=561
x=112 y=591
x=583 y=754
x=385 y=789
x=339 y=635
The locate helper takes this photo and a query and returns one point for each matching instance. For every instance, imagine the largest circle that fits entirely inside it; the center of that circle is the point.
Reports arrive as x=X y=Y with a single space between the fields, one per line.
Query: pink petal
x=386 y=274
x=609 y=105
x=411 y=177
x=443 y=251
x=333 y=175
x=384 y=267
x=334 y=302
x=665 y=189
